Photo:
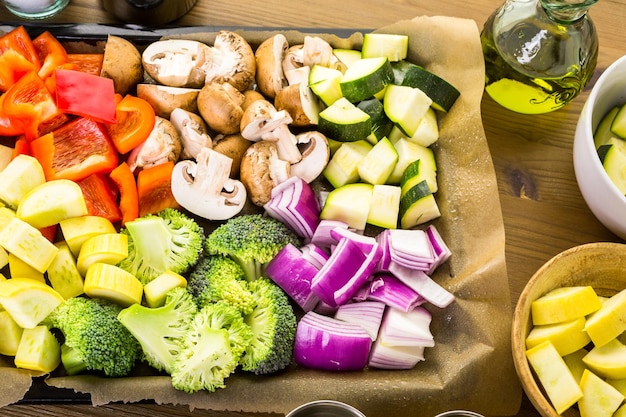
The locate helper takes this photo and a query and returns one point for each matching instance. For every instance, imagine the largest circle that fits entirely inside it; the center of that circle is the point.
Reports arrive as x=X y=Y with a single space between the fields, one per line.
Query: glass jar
x=35 y=9
x=539 y=54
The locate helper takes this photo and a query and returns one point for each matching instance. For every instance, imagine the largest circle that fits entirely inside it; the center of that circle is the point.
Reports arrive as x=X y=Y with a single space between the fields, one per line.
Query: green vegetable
x=251 y=240
x=218 y=277
x=160 y=330
x=95 y=340
x=167 y=241
x=211 y=349
x=273 y=325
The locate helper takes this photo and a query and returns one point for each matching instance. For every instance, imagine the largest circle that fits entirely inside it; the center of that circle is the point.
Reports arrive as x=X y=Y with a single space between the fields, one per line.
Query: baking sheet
x=470 y=367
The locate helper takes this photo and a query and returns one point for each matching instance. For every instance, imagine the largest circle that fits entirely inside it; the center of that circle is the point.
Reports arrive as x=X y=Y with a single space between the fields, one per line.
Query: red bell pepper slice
x=135 y=121
x=9 y=126
x=89 y=63
x=30 y=103
x=154 y=189
x=17 y=57
x=100 y=197
x=124 y=178
x=22 y=147
x=76 y=150
x=51 y=53
x=85 y=95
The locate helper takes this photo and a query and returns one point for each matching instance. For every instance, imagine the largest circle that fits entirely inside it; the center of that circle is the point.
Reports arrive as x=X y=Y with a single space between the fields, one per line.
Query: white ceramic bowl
x=599 y=192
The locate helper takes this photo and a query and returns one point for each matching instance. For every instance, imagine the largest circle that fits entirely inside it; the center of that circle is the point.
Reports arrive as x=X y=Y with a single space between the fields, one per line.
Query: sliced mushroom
x=315 y=155
x=260 y=118
x=192 y=131
x=262 y=170
x=294 y=57
x=233 y=146
x=317 y=51
x=176 y=62
x=300 y=102
x=286 y=143
x=270 y=77
x=298 y=75
x=230 y=60
x=162 y=145
x=204 y=188
x=165 y=99
x=220 y=107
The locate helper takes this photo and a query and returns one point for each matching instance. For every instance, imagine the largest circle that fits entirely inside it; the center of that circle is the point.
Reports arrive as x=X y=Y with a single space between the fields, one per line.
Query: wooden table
x=543 y=210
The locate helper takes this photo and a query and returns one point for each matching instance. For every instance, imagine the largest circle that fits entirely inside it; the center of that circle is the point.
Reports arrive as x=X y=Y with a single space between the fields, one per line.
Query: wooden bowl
x=601 y=265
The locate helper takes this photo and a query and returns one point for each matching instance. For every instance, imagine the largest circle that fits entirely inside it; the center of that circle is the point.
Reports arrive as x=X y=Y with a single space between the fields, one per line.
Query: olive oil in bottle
x=539 y=54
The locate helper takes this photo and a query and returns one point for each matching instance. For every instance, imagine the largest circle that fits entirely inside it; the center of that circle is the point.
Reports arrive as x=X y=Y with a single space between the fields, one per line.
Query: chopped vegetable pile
x=180 y=222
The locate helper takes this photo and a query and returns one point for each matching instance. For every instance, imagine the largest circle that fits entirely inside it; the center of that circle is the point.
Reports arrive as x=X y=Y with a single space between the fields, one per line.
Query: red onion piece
x=422 y=284
x=390 y=290
x=294 y=274
x=329 y=344
x=367 y=314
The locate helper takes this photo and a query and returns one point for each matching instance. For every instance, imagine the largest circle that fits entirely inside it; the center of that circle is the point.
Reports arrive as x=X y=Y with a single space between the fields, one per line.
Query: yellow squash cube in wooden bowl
x=601 y=266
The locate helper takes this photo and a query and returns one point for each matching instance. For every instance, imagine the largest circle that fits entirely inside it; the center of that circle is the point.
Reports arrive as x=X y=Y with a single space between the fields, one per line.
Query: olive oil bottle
x=539 y=54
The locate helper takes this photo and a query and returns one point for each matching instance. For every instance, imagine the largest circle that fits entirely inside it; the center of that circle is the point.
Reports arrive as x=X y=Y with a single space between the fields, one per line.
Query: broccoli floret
x=212 y=348
x=94 y=339
x=218 y=277
x=273 y=325
x=160 y=330
x=166 y=241
x=252 y=240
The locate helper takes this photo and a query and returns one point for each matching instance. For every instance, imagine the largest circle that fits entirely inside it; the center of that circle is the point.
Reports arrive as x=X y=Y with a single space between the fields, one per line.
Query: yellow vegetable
x=21 y=269
x=63 y=273
x=27 y=243
x=6 y=214
x=38 y=350
x=608 y=361
x=113 y=283
x=599 y=399
x=4 y=257
x=21 y=175
x=608 y=322
x=109 y=248
x=564 y=304
x=574 y=362
x=76 y=230
x=156 y=290
x=11 y=334
x=554 y=375
x=51 y=202
x=566 y=337
x=28 y=301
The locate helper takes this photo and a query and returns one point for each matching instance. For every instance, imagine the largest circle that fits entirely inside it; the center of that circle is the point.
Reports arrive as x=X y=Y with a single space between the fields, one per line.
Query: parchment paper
x=471 y=365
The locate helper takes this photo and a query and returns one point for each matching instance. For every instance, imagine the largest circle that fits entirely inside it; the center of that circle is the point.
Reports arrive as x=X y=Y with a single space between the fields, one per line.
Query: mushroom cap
x=230 y=60
x=270 y=77
x=122 y=63
x=261 y=170
x=164 y=99
x=220 y=107
x=176 y=62
x=250 y=96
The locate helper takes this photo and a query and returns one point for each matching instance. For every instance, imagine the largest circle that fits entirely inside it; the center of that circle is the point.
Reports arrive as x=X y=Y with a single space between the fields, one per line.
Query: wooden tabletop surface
x=543 y=210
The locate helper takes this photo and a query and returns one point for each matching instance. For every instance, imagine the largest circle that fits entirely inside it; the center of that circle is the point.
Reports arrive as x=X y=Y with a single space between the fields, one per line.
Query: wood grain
x=543 y=210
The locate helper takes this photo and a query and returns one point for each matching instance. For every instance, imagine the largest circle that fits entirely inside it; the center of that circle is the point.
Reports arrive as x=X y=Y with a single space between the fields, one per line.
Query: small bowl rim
x=586 y=120
x=521 y=316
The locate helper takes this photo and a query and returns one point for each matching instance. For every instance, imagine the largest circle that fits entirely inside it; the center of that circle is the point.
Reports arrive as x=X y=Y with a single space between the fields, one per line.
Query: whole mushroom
x=270 y=77
x=219 y=105
x=234 y=146
x=261 y=170
x=300 y=102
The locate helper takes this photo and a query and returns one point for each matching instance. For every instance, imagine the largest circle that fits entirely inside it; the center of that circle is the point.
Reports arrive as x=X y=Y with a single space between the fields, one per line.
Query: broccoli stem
x=72 y=360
